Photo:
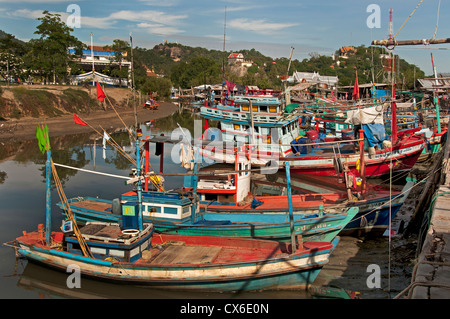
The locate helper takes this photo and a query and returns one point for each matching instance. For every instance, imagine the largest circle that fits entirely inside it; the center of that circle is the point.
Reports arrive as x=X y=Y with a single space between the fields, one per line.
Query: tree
x=49 y=55
x=11 y=52
x=120 y=47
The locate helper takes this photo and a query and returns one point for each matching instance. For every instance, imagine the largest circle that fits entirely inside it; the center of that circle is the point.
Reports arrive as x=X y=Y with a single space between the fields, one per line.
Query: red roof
x=234 y=55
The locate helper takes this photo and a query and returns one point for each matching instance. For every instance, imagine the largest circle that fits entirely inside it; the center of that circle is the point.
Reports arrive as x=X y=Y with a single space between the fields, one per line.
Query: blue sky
x=271 y=27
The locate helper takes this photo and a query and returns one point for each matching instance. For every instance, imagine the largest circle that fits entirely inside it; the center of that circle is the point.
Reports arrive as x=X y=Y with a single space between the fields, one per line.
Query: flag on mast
x=78 y=120
x=100 y=94
x=355 y=94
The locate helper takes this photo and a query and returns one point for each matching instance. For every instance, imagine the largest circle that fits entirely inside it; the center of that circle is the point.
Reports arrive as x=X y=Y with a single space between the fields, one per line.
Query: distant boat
x=273 y=129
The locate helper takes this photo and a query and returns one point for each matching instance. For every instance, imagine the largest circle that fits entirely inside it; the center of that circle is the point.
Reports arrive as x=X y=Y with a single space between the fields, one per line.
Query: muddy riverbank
x=65 y=124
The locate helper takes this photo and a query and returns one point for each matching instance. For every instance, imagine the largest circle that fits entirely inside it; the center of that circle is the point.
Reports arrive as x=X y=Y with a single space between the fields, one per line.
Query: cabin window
x=170 y=210
x=245 y=108
x=257 y=129
x=263 y=108
x=152 y=209
x=116 y=253
x=255 y=108
x=267 y=139
x=237 y=127
x=272 y=109
x=284 y=130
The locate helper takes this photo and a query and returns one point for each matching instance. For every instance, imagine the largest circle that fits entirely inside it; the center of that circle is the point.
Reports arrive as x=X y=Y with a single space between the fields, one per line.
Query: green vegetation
x=46 y=59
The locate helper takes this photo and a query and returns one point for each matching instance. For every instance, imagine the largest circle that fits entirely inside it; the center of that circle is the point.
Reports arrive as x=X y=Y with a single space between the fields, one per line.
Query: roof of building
x=235 y=56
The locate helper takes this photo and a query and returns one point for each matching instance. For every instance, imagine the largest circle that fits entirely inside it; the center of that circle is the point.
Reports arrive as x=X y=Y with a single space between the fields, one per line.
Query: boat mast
x=435 y=98
x=92 y=57
x=48 y=219
x=132 y=79
x=223 y=55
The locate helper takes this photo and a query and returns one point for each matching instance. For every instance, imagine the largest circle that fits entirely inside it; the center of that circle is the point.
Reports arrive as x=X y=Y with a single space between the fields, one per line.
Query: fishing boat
x=182 y=262
x=121 y=254
x=178 y=214
x=219 y=197
x=271 y=125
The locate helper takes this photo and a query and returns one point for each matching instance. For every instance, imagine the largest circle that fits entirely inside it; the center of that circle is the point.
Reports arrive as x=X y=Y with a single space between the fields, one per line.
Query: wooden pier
x=431 y=275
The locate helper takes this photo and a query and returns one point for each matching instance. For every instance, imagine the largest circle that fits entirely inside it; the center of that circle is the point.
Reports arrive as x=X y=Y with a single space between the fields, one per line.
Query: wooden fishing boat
x=314 y=224
x=273 y=130
x=315 y=195
x=183 y=262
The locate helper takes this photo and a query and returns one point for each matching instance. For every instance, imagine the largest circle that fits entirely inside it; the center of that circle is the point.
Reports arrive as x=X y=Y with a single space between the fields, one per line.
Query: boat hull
x=246 y=223
x=286 y=271
x=403 y=158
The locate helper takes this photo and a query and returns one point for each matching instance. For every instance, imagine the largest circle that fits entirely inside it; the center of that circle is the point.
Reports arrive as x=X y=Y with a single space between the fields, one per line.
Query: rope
x=408 y=18
x=69 y=214
x=437 y=20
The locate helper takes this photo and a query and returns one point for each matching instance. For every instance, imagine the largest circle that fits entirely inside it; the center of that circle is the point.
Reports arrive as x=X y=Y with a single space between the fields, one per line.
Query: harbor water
x=351 y=269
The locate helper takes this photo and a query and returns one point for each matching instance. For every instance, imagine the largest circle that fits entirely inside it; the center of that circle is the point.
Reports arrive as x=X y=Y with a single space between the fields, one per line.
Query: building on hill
x=95 y=60
x=346 y=52
x=238 y=59
x=149 y=72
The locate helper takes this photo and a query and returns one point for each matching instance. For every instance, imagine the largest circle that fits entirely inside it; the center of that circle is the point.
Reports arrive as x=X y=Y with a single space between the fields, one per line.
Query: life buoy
x=131 y=232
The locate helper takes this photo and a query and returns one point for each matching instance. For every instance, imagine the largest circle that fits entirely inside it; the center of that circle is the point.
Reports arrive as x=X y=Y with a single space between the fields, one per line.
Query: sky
x=269 y=26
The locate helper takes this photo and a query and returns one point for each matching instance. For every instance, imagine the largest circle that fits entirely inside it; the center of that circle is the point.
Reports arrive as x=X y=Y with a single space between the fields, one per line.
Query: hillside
x=49 y=101
x=370 y=62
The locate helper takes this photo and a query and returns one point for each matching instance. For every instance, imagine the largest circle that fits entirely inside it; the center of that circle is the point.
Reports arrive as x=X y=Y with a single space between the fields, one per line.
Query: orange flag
x=100 y=94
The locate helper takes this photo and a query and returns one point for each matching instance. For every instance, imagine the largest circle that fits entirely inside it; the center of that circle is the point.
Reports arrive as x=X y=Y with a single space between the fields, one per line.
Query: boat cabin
x=170 y=206
x=123 y=243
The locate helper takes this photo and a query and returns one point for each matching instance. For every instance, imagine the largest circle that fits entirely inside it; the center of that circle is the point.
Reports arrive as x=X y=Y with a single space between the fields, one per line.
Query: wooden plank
x=187 y=255
x=197 y=255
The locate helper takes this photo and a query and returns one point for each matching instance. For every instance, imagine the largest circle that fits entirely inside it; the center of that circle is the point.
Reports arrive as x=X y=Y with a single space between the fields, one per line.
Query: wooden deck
x=187 y=255
x=94 y=205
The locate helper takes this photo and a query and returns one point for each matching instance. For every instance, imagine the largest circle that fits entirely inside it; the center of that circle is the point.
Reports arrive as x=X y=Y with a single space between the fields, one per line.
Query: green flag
x=42 y=137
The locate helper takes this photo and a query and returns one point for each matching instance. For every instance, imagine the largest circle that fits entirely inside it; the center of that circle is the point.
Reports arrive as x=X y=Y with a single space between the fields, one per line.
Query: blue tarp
x=375 y=134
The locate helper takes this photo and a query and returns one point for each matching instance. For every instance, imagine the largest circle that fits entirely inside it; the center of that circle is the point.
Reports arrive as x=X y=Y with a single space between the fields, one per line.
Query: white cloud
x=101 y=23
x=148 y=15
x=159 y=3
x=156 y=21
x=34 y=1
x=259 y=26
x=159 y=29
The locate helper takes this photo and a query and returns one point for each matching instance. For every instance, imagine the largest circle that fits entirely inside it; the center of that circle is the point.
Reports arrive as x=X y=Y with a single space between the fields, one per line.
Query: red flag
x=100 y=95
x=78 y=120
x=356 y=89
